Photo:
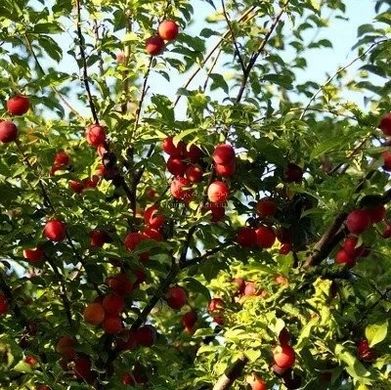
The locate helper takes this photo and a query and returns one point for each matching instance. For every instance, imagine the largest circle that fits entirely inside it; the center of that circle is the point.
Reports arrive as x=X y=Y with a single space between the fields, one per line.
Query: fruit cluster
x=168 y=31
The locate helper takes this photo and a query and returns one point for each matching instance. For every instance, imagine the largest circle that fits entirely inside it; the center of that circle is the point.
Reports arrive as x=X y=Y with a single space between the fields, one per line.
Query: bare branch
x=85 y=67
x=234 y=41
x=231 y=374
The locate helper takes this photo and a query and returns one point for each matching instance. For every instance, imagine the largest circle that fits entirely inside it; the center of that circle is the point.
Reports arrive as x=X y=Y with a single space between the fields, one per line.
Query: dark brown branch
x=327 y=242
x=231 y=374
x=63 y=293
x=210 y=54
x=234 y=41
x=142 y=97
x=207 y=254
x=85 y=67
x=254 y=57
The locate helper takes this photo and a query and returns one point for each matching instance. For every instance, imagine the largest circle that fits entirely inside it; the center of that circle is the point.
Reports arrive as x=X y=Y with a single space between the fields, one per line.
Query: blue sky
x=342 y=33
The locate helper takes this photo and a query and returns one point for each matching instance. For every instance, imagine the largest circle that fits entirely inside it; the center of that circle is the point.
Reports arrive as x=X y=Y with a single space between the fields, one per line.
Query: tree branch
x=63 y=293
x=231 y=374
x=254 y=57
x=340 y=70
x=235 y=43
x=209 y=55
x=85 y=67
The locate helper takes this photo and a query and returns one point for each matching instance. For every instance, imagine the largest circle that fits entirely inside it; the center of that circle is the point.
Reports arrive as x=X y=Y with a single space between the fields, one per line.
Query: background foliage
x=271 y=118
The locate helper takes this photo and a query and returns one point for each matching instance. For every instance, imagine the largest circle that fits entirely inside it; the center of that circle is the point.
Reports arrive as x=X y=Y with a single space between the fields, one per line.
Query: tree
x=236 y=236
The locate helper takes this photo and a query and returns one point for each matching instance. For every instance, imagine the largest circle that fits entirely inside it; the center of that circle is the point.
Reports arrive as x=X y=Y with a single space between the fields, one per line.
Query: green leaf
x=376 y=333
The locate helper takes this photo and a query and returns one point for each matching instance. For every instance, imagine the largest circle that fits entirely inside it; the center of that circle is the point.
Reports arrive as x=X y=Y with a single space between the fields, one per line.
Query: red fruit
x=342 y=257
x=350 y=245
x=225 y=170
x=61 y=159
x=218 y=192
x=194 y=173
x=152 y=218
x=66 y=347
x=285 y=249
x=145 y=336
x=102 y=149
x=94 y=313
x=265 y=237
x=113 y=304
x=152 y=234
x=128 y=379
x=240 y=284
x=215 y=305
x=387 y=231
x=120 y=57
x=76 y=186
x=188 y=320
x=385 y=124
x=280 y=279
x=18 y=105
x=364 y=352
x=3 y=304
x=82 y=367
x=55 y=230
x=256 y=383
x=218 y=319
x=266 y=207
x=193 y=154
x=8 y=132
x=250 y=289
x=178 y=151
x=293 y=173
x=358 y=221
x=154 y=45
x=176 y=297
x=279 y=371
x=91 y=182
x=120 y=284
x=223 y=154
x=218 y=211
x=386 y=161
x=246 y=237
x=132 y=239
x=33 y=255
x=284 y=337
x=42 y=387
x=95 y=135
x=168 y=30
x=31 y=360
x=284 y=356
x=150 y=193
x=176 y=166
x=180 y=189
x=112 y=324
x=98 y=238
x=140 y=276
x=377 y=213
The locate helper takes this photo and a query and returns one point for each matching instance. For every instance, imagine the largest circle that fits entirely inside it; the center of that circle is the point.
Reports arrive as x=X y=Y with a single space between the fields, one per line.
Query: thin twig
x=63 y=293
x=209 y=55
x=142 y=97
x=340 y=70
x=40 y=68
x=85 y=67
x=230 y=375
x=234 y=41
x=260 y=50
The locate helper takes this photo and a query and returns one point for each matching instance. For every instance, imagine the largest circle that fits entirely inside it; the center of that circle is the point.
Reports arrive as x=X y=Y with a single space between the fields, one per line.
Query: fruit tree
x=185 y=204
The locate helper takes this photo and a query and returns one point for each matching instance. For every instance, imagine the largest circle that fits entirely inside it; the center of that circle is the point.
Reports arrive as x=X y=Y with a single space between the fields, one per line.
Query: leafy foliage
x=84 y=63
